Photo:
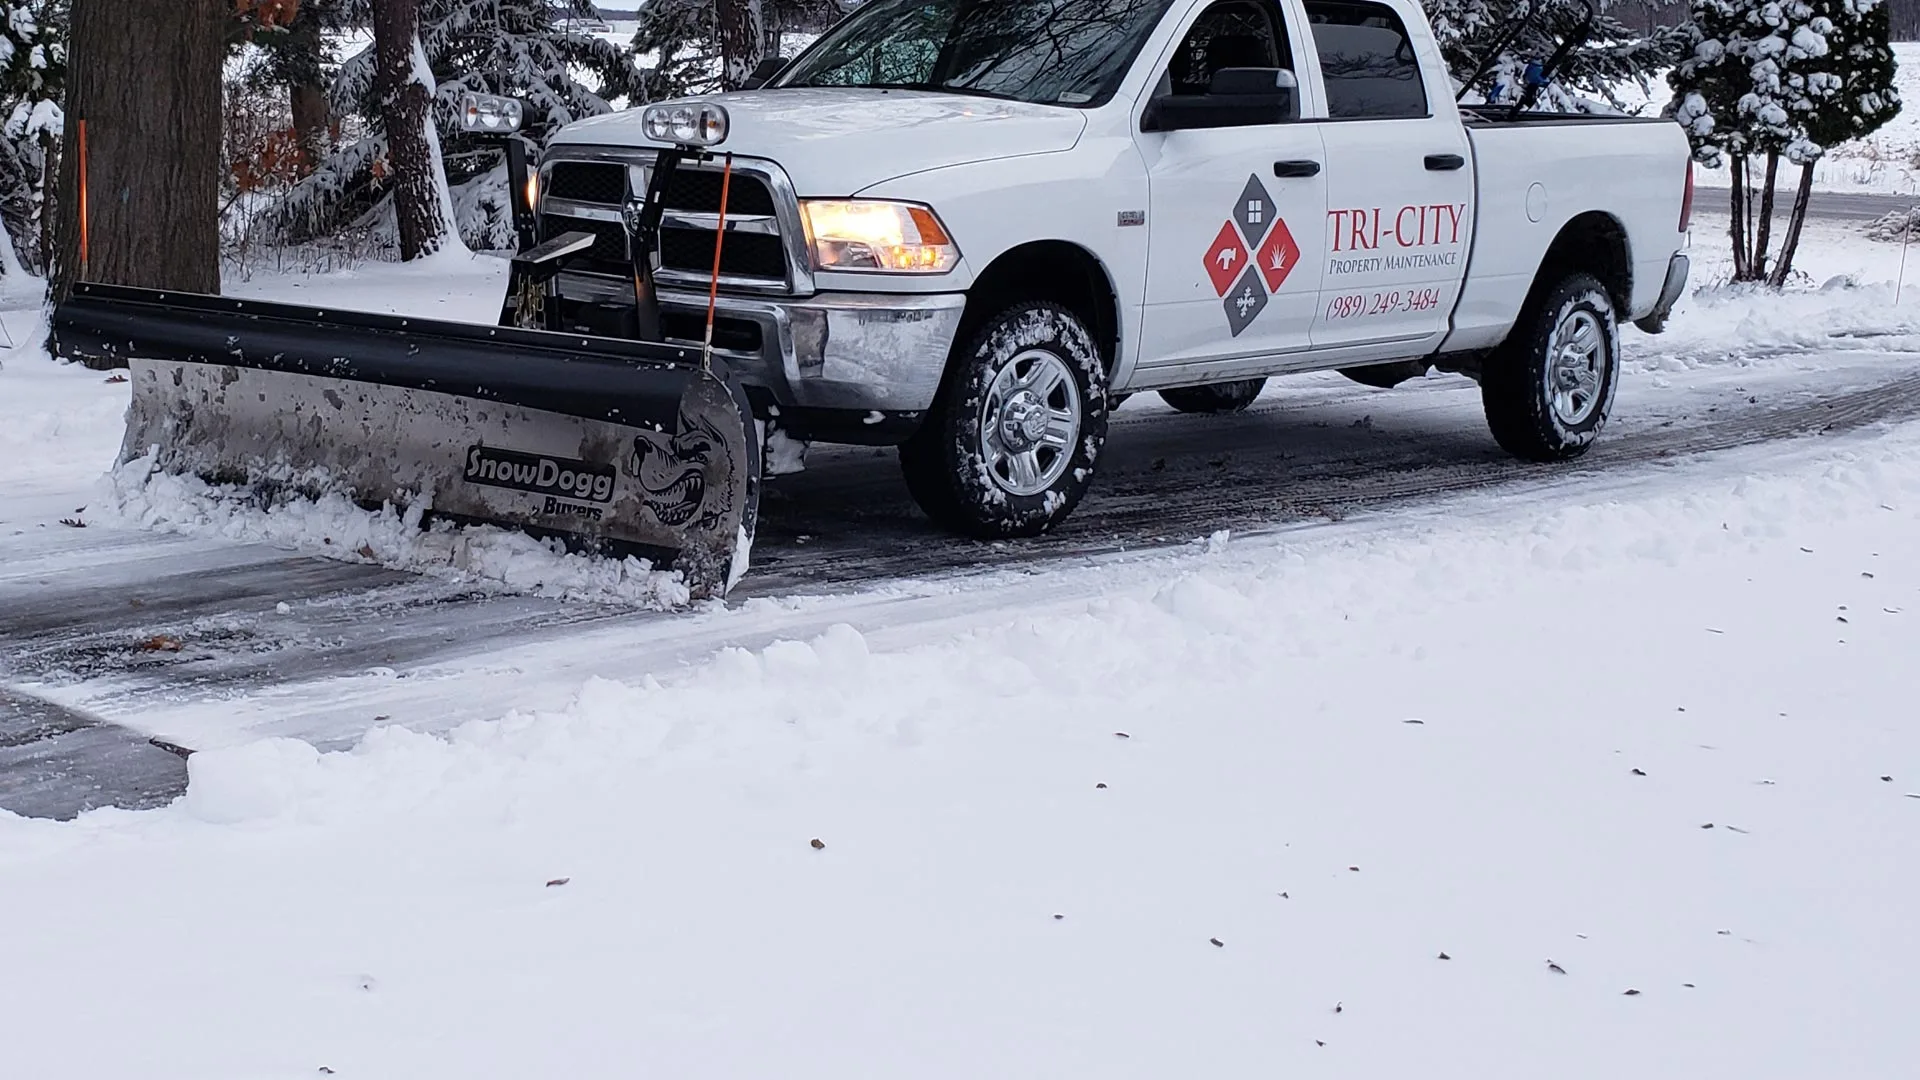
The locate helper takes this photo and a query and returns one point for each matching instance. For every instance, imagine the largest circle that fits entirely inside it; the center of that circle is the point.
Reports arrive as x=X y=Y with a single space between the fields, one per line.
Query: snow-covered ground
x=1589 y=790
x=1586 y=779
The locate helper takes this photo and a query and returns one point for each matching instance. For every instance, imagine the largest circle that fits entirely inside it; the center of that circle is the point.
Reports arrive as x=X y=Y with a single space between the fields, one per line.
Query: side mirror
x=1235 y=97
x=763 y=74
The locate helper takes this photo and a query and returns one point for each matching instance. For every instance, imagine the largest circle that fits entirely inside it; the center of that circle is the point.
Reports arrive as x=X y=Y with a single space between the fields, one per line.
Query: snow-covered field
x=1617 y=775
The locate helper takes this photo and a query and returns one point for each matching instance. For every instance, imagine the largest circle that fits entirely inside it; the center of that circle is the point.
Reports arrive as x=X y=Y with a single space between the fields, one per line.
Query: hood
x=839 y=141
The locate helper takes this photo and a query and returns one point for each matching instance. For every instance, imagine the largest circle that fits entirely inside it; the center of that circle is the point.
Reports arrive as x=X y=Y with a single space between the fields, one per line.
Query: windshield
x=1054 y=52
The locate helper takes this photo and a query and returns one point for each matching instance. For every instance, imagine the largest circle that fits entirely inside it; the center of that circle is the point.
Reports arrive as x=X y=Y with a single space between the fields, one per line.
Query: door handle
x=1445 y=162
x=1296 y=168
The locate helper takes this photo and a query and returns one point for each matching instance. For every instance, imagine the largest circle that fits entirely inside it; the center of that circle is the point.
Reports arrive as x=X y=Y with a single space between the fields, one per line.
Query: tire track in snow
x=844 y=525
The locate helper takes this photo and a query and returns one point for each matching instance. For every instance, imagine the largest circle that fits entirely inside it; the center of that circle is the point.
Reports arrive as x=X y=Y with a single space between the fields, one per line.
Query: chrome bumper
x=874 y=352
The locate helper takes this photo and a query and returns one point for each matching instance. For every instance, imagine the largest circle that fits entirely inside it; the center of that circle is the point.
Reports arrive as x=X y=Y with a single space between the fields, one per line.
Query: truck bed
x=1504 y=116
x=1535 y=174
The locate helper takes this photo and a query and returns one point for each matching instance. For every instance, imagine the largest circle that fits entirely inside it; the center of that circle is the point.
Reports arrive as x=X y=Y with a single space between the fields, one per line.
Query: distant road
x=1826 y=206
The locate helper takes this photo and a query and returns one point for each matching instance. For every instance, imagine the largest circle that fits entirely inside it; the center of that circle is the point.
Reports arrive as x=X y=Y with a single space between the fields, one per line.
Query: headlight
x=488 y=114
x=693 y=123
x=864 y=234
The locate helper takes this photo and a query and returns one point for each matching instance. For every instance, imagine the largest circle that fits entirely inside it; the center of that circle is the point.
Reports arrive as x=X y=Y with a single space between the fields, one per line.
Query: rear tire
x=1009 y=446
x=1548 y=390
x=1215 y=398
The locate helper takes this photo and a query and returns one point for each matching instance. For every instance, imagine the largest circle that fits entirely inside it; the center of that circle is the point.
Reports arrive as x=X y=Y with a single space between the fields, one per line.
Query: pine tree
x=1860 y=57
x=531 y=49
x=1498 y=35
x=1779 y=79
x=33 y=64
x=700 y=46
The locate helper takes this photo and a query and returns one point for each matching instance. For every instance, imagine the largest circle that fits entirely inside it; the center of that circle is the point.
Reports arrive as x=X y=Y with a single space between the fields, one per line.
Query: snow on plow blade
x=620 y=447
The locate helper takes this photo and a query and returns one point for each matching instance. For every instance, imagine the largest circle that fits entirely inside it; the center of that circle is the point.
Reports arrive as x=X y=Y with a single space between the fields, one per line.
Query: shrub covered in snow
x=1774 y=79
x=1472 y=32
x=1752 y=78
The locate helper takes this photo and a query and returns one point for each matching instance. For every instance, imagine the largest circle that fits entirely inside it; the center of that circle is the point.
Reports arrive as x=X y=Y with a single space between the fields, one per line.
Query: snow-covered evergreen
x=33 y=61
x=678 y=41
x=531 y=49
x=1858 y=53
x=1471 y=32
x=1778 y=80
x=1752 y=79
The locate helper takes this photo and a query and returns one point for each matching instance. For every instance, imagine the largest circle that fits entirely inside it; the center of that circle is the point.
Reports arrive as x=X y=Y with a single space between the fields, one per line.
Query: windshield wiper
x=939 y=88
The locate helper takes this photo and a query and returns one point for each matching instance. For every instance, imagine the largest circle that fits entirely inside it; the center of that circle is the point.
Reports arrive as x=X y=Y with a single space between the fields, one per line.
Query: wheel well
x=1065 y=273
x=1592 y=243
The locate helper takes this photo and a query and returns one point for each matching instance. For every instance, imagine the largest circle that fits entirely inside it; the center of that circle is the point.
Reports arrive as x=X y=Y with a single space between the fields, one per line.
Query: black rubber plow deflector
x=618 y=445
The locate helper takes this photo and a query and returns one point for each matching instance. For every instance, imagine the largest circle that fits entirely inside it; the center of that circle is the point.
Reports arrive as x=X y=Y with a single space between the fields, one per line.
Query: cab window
x=1366 y=61
x=1229 y=34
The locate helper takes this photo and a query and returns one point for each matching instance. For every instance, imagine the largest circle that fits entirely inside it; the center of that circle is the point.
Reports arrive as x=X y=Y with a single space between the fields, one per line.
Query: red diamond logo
x=1277 y=256
x=1227 y=258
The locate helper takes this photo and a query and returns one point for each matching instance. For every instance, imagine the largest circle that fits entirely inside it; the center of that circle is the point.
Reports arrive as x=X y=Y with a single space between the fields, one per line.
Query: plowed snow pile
x=139 y=496
x=1608 y=790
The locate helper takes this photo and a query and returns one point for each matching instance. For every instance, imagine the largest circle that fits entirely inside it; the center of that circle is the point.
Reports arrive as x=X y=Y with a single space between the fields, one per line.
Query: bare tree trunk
x=145 y=77
x=1746 y=182
x=48 y=186
x=307 y=91
x=312 y=125
x=1737 y=215
x=1784 y=265
x=1765 y=235
x=405 y=112
x=743 y=40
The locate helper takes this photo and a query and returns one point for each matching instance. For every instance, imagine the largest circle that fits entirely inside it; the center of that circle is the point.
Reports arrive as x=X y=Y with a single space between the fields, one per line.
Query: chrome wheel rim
x=1030 y=422
x=1576 y=368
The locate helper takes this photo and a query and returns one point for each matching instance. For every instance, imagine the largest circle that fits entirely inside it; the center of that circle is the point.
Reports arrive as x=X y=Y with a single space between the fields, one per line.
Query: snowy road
x=147 y=628
x=1610 y=775
x=143 y=629
x=1441 y=766
x=1847 y=207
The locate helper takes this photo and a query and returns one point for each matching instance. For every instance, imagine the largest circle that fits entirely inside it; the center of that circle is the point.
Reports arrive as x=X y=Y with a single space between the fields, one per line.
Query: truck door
x=1399 y=182
x=1236 y=214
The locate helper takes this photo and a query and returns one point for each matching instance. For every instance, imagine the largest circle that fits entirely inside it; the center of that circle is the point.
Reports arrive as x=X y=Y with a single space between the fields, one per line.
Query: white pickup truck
x=972 y=227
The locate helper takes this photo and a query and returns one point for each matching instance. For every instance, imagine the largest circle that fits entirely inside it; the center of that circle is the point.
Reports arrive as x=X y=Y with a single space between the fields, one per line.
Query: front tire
x=1009 y=447
x=1548 y=390
x=1217 y=399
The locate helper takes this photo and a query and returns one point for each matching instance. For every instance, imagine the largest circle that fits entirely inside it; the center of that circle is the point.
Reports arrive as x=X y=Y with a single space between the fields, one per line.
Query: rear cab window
x=1366 y=61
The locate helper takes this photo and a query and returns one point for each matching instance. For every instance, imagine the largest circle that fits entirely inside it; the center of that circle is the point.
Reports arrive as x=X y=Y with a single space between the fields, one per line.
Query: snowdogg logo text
x=570 y=486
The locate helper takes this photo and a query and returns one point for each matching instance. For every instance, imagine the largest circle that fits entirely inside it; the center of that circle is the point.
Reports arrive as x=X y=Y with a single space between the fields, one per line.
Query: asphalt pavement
x=1823 y=206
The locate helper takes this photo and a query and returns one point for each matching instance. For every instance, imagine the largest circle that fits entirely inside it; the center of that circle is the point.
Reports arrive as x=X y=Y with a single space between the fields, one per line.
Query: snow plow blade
x=617 y=447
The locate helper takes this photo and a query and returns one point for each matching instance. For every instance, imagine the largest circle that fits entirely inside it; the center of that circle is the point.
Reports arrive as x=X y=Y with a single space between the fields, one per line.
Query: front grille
x=588 y=182
x=743 y=255
x=609 y=237
x=760 y=256
x=698 y=191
